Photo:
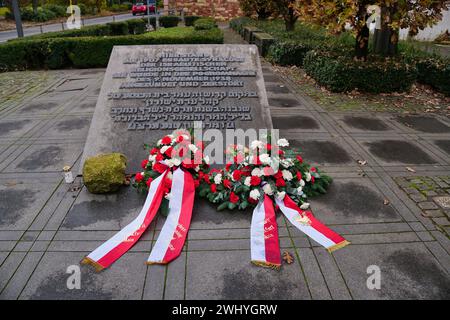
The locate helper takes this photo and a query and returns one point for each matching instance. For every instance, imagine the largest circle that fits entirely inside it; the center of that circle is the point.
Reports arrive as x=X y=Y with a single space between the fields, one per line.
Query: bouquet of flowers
x=251 y=174
x=172 y=151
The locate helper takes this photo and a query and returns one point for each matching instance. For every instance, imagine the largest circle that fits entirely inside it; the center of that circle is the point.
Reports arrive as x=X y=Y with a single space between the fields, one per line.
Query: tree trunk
x=290 y=19
x=385 y=39
x=35 y=6
x=362 y=43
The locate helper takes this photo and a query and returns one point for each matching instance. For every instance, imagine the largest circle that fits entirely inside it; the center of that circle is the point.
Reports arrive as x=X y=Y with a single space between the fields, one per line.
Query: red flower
x=149 y=181
x=313 y=169
x=313 y=179
x=255 y=181
x=299 y=158
x=268 y=171
x=278 y=175
x=213 y=188
x=138 y=177
x=166 y=140
x=179 y=139
x=206 y=178
x=299 y=175
x=268 y=147
x=144 y=163
x=280 y=183
x=169 y=152
x=159 y=157
x=154 y=151
x=233 y=197
x=251 y=200
x=237 y=174
x=227 y=166
x=280 y=152
x=196 y=183
x=159 y=167
x=227 y=183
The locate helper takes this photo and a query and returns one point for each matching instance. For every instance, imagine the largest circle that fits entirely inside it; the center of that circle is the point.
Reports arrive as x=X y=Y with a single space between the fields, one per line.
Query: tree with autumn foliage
x=337 y=15
x=287 y=10
x=262 y=8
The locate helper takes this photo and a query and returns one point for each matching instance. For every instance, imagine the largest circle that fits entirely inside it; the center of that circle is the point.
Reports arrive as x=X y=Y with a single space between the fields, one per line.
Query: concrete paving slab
x=322 y=152
x=407 y=272
x=21 y=203
x=423 y=123
x=123 y=280
x=230 y=275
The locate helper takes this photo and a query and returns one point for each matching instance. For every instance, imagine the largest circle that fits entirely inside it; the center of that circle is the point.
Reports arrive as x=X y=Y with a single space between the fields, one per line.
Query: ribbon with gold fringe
x=173 y=235
x=265 y=248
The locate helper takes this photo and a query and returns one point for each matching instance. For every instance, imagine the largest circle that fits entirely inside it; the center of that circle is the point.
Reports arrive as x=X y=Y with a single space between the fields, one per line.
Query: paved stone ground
x=44 y=227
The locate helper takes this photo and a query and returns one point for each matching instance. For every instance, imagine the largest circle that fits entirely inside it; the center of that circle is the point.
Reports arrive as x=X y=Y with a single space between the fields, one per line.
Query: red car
x=141 y=8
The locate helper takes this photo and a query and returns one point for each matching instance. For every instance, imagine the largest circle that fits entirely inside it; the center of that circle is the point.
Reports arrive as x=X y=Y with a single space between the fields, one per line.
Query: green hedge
x=288 y=53
x=340 y=73
x=205 y=24
x=435 y=72
x=136 y=26
x=169 y=21
x=190 y=20
x=88 y=52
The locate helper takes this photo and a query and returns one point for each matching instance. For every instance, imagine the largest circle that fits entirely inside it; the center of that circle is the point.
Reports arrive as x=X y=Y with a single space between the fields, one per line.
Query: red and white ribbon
x=265 y=248
x=173 y=234
x=307 y=223
x=121 y=242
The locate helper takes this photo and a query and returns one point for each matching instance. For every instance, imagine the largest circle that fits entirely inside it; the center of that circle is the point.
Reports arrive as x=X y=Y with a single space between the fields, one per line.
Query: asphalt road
x=11 y=34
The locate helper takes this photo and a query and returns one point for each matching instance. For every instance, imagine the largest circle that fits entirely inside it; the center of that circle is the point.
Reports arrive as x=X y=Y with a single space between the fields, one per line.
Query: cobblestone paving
x=432 y=195
x=47 y=226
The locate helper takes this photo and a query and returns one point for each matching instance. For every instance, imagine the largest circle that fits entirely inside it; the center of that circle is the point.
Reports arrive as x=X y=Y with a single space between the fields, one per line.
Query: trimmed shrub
x=136 y=26
x=169 y=21
x=189 y=20
x=205 y=24
x=98 y=30
x=340 y=73
x=118 y=28
x=286 y=53
x=435 y=72
x=237 y=24
x=88 y=52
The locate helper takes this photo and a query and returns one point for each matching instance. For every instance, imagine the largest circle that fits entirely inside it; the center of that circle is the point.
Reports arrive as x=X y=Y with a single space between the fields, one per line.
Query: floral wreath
x=250 y=175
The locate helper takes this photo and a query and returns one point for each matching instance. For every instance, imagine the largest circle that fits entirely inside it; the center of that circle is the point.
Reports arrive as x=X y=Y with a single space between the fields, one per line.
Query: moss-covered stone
x=104 y=173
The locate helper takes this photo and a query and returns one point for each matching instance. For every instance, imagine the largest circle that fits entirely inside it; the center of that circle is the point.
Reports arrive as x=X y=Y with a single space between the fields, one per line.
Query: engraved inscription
x=172 y=90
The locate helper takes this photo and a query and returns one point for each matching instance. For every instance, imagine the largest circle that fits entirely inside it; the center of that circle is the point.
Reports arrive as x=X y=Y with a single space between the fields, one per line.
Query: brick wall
x=219 y=9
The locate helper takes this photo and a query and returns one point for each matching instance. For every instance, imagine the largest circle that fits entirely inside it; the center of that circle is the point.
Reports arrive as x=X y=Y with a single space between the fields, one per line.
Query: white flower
x=281 y=195
x=300 y=191
x=247 y=181
x=302 y=182
x=257 y=172
x=152 y=158
x=218 y=178
x=268 y=189
x=256 y=144
x=197 y=168
x=287 y=175
x=164 y=149
x=206 y=159
x=255 y=194
x=169 y=163
x=176 y=162
x=308 y=176
x=167 y=196
x=193 y=148
x=287 y=163
x=185 y=136
x=265 y=158
x=283 y=143
x=159 y=142
x=304 y=206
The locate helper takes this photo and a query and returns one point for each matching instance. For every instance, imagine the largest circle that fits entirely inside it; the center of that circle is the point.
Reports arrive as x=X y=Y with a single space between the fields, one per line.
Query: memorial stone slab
x=149 y=91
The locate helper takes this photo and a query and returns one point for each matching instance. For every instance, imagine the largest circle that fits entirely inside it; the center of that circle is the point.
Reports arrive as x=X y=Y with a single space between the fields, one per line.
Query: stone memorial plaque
x=149 y=91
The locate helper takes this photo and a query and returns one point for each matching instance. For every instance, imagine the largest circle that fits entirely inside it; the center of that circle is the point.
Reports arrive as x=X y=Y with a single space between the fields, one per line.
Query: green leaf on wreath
x=222 y=206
